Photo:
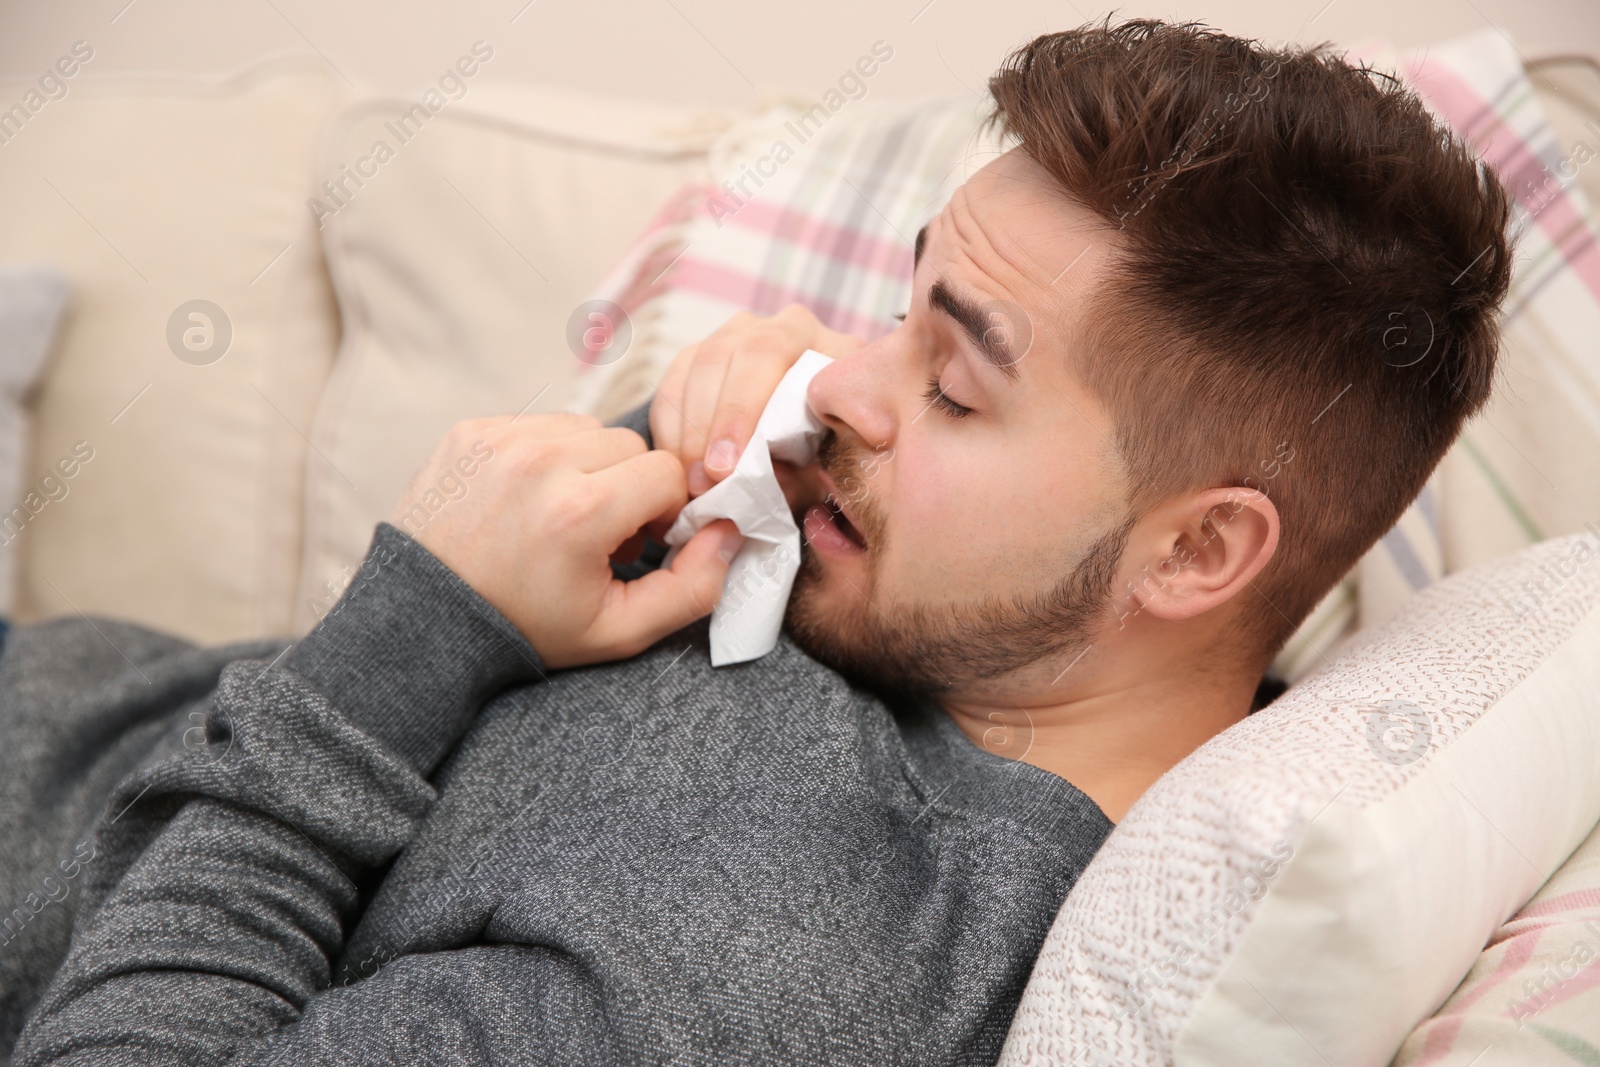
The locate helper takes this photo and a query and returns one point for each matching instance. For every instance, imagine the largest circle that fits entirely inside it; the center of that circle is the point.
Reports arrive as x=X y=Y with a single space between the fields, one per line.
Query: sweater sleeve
x=218 y=943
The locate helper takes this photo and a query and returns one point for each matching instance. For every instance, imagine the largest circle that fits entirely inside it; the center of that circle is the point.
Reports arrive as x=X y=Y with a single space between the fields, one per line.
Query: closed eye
x=935 y=395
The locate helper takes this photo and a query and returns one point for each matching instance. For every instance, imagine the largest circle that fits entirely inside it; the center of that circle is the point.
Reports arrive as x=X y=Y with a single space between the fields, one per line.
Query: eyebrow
x=916 y=252
x=974 y=323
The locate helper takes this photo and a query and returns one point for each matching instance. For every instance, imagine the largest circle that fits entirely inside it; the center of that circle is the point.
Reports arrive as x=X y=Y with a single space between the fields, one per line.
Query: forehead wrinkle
x=1047 y=199
x=995 y=242
x=1023 y=276
x=1068 y=215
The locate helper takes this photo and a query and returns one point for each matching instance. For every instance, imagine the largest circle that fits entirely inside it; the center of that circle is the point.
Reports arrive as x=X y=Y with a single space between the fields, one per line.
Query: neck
x=1116 y=732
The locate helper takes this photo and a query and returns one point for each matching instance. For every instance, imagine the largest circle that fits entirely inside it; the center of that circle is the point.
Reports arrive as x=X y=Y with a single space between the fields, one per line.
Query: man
x=1163 y=379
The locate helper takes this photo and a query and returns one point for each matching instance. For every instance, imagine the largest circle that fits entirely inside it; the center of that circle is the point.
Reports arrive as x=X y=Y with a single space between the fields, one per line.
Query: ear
x=1214 y=542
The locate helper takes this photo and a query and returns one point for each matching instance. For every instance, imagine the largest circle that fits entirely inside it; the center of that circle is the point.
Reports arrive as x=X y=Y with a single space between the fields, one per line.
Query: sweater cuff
x=410 y=653
x=638 y=420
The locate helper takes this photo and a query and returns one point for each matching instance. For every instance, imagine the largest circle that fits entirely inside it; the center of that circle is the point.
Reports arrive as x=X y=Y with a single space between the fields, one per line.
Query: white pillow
x=1534 y=993
x=1310 y=884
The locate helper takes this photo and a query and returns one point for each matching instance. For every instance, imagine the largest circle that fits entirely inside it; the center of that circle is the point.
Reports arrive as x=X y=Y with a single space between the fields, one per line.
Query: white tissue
x=746 y=621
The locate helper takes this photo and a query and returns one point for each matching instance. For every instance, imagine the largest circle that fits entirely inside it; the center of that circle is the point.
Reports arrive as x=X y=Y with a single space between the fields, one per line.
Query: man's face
x=984 y=506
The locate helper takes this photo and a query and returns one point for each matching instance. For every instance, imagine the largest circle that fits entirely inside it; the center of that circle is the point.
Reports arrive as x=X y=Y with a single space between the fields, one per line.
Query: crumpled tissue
x=748 y=618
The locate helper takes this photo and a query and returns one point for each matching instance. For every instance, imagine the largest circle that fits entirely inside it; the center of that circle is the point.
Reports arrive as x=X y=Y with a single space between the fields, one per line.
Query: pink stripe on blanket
x=845 y=244
x=1578 y=898
x=1584 y=977
x=1511 y=156
x=761 y=297
x=1445 y=1027
x=683 y=203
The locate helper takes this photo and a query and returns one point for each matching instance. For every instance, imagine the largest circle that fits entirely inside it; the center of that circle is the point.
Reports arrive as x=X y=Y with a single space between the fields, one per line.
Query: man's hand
x=709 y=400
x=549 y=499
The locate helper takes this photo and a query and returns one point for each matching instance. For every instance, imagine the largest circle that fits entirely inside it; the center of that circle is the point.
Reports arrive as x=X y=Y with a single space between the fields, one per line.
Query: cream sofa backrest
x=236 y=491
x=211 y=469
x=150 y=195
x=227 y=494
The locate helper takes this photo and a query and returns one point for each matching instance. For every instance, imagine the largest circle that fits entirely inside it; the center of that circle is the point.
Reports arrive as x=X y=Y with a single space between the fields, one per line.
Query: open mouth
x=828 y=527
x=843 y=523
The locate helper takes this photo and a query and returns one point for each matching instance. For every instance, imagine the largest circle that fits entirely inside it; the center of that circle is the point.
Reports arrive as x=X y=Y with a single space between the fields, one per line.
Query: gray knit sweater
x=403 y=840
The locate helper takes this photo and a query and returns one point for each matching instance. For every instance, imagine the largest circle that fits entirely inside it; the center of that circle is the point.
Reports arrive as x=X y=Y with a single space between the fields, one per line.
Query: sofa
x=280 y=292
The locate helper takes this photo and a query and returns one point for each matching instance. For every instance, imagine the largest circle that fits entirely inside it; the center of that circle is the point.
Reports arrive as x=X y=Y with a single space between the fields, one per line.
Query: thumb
x=645 y=610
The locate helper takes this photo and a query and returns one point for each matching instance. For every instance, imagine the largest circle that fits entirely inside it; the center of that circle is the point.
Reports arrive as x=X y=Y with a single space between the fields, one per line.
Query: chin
x=829 y=620
x=817 y=616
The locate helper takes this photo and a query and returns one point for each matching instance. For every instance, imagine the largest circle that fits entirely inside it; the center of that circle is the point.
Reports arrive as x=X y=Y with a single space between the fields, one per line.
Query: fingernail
x=732 y=541
x=697 y=478
x=722 y=455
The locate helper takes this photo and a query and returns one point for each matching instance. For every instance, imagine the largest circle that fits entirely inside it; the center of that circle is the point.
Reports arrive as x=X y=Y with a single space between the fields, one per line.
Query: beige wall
x=707 y=51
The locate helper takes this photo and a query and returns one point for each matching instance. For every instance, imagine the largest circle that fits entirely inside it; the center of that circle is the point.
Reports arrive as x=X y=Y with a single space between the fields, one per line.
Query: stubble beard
x=918 y=649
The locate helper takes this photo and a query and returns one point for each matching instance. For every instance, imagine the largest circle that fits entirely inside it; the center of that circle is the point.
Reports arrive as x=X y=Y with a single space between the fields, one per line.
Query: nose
x=855 y=394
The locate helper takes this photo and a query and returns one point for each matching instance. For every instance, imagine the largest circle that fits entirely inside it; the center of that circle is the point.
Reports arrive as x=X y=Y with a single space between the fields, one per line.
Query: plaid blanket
x=823 y=213
x=1523 y=471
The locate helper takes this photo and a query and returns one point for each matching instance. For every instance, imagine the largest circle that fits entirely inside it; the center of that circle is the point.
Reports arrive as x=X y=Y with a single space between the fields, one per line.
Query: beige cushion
x=458 y=265
x=150 y=194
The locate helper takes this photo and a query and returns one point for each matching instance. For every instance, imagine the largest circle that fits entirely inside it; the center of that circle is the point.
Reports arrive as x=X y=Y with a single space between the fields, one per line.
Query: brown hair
x=1309 y=266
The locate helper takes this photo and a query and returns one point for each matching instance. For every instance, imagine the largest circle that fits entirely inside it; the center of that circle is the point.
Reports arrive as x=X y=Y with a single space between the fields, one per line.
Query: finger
x=837 y=345
x=637 y=491
x=745 y=392
x=666 y=405
x=502 y=431
x=595 y=450
x=551 y=424
x=637 y=614
x=800 y=321
x=697 y=478
x=701 y=390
